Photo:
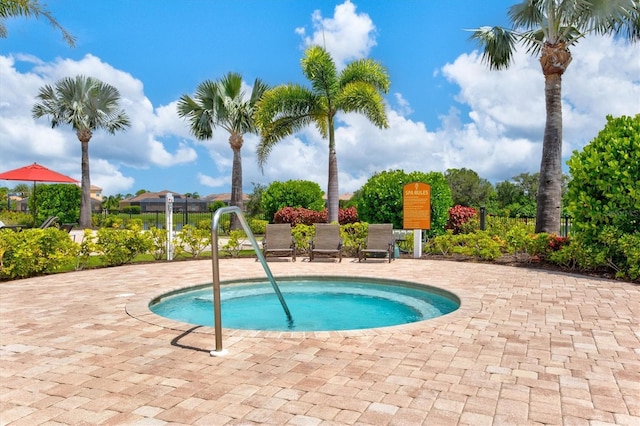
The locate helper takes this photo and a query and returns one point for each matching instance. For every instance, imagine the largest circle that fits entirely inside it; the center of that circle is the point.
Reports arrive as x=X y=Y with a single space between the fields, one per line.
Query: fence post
x=483 y=213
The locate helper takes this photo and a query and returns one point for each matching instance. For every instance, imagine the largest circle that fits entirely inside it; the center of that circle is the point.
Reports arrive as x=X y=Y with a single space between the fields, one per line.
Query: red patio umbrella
x=36 y=173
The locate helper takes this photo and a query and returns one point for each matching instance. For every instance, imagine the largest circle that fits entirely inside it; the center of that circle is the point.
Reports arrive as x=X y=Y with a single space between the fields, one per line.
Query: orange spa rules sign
x=416 y=206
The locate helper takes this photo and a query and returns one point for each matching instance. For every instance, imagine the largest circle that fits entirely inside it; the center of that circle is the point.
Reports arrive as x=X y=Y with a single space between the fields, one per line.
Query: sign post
x=168 y=214
x=416 y=209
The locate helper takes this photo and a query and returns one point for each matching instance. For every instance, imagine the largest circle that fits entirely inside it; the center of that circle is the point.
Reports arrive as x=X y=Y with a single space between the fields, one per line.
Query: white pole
x=417 y=243
x=168 y=210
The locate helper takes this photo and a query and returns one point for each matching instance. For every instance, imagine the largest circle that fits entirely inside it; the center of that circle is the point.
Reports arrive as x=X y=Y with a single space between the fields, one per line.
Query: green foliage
x=353 y=236
x=112 y=221
x=17 y=218
x=121 y=246
x=463 y=220
x=234 y=243
x=218 y=204
x=604 y=193
x=34 y=251
x=292 y=193
x=441 y=200
x=62 y=200
x=629 y=246
x=380 y=199
x=253 y=206
x=132 y=209
x=605 y=188
x=303 y=234
x=158 y=238
x=468 y=189
x=192 y=240
x=479 y=244
x=87 y=248
x=258 y=226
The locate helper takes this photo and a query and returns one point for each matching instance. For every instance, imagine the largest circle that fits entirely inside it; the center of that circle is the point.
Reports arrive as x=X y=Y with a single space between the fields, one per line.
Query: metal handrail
x=215 y=264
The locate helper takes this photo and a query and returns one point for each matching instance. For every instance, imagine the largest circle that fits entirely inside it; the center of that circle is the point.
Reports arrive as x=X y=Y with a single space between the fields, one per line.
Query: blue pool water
x=315 y=304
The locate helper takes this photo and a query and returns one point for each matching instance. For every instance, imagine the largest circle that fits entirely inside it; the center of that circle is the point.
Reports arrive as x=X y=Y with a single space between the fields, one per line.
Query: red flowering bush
x=295 y=216
x=348 y=215
x=460 y=219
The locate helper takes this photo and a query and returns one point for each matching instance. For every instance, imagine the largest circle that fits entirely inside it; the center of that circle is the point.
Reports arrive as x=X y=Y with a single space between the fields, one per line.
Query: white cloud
x=346 y=36
x=155 y=138
x=501 y=135
x=496 y=129
x=213 y=182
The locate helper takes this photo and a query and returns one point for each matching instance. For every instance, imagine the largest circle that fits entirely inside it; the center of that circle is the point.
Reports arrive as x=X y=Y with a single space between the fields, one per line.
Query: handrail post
x=215 y=265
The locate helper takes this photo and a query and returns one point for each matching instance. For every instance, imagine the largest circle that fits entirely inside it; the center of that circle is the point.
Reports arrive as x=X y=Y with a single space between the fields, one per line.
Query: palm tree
x=288 y=108
x=86 y=104
x=112 y=203
x=29 y=8
x=223 y=103
x=547 y=28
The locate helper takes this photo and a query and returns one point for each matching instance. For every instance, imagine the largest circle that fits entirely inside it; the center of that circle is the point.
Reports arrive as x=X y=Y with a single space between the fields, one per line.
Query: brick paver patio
x=526 y=347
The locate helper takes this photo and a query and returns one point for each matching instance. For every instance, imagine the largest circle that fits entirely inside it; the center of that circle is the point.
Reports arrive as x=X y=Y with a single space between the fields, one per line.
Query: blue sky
x=446 y=109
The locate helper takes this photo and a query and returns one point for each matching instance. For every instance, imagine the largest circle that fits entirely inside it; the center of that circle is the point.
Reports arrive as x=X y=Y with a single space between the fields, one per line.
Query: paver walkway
x=526 y=347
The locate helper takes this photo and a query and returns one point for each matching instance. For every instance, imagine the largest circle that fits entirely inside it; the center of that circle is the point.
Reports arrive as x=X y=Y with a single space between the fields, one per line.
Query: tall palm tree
x=86 y=104
x=547 y=28
x=223 y=103
x=288 y=108
x=29 y=8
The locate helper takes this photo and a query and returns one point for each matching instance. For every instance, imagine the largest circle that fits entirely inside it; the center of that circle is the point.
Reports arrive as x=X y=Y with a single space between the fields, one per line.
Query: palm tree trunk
x=85 y=201
x=550 y=186
x=236 y=184
x=332 y=185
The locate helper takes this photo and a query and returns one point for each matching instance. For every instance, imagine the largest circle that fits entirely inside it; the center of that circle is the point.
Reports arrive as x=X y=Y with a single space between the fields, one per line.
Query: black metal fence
x=565 y=221
x=181 y=218
x=159 y=220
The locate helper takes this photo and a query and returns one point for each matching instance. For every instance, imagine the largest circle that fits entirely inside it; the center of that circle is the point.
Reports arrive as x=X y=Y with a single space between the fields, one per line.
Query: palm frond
x=527 y=14
x=497 y=45
x=363 y=98
x=27 y=9
x=367 y=71
x=320 y=70
x=82 y=102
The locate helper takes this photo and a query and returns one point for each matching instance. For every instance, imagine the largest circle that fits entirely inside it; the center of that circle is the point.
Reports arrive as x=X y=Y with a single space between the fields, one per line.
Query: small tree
x=253 y=206
x=292 y=193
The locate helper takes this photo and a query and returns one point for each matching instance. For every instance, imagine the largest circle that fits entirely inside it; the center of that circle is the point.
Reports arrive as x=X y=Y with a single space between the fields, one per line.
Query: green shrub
x=302 y=235
x=158 y=239
x=34 y=251
x=353 y=236
x=604 y=192
x=61 y=200
x=234 y=243
x=380 y=199
x=87 y=248
x=132 y=209
x=133 y=224
x=463 y=220
x=17 y=218
x=258 y=226
x=629 y=246
x=218 y=204
x=292 y=193
x=121 y=246
x=192 y=240
x=479 y=244
x=112 y=221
